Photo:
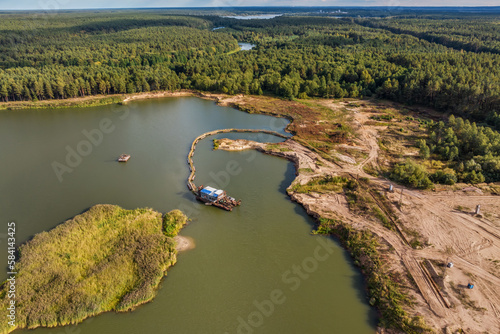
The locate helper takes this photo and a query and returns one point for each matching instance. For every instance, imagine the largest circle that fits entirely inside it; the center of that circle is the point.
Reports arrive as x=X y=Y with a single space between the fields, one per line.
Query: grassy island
x=106 y=259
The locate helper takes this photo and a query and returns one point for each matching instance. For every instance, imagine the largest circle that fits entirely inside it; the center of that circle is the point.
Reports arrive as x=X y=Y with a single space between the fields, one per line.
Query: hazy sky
x=65 y=4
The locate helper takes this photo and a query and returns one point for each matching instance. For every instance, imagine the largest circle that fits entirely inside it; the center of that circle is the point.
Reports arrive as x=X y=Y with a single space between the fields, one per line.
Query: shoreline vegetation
x=359 y=243
x=83 y=54
x=302 y=66
x=105 y=259
x=94 y=100
x=328 y=128
x=383 y=231
x=364 y=247
x=120 y=99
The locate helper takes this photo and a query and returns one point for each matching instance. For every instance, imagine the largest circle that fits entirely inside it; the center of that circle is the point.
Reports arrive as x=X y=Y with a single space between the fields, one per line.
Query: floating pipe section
x=192 y=169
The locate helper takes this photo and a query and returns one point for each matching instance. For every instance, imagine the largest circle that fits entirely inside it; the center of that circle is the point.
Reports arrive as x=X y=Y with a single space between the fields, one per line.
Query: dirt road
x=449 y=235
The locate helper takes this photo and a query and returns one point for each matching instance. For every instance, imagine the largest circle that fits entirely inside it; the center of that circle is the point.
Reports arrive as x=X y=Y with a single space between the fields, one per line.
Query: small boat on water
x=216 y=197
x=123 y=158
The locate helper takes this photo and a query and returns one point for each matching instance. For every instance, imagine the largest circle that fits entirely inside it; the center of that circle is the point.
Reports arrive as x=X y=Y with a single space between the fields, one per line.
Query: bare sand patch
x=184 y=243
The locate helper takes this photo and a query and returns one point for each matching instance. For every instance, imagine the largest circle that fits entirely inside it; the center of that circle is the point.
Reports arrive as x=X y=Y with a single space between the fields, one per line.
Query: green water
x=257 y=269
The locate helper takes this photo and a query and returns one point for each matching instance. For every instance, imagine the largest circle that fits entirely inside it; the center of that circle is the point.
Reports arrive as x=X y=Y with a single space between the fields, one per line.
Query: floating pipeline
x=190 y=184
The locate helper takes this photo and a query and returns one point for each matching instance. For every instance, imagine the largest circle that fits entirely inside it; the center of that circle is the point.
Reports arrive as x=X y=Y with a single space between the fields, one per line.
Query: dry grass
x=105 y=259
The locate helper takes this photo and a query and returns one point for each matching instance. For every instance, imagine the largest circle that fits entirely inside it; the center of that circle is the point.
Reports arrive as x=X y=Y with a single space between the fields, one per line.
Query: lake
x=253 y=17
x=246 y=46
x=257 y=269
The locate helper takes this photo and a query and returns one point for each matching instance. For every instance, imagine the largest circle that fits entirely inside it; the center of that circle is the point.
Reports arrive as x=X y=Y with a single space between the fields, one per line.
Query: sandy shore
x=98 y=100
x=470 y=241
x=184 y=243
x=157 y=95
x=449 y=233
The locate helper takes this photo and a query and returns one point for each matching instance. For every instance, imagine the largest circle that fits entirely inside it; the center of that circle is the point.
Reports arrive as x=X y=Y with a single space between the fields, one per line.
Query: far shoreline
x=121 y=99
x=95 y=100
x=221 y=99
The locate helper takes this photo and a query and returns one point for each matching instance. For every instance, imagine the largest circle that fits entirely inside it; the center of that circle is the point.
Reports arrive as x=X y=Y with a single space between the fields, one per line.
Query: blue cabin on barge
x=211 y=194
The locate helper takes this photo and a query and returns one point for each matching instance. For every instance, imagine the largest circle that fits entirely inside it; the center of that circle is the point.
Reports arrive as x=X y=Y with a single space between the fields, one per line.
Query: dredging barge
x=209 y=195
x=216 y=197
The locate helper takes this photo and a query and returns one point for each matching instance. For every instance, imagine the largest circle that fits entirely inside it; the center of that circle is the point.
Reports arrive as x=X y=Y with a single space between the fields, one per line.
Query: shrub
x=473 y=177
x=173 y=222
x=413 y=174
x=425 y=151
x=446 y=176
x=324 y=184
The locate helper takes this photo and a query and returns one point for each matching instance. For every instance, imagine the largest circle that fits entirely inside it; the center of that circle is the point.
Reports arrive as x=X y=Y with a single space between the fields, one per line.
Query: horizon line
x=267 y=6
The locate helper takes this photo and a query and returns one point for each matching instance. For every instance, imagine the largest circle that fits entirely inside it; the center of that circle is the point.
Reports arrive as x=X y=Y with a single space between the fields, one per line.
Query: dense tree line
x=472 y=151
x=402 y=67
x=477 y=35
x=470 y=154
x=78 y=54
x=125 y=45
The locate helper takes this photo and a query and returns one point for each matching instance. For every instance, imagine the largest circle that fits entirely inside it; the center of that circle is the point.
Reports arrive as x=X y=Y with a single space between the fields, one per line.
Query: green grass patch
x=463 y=209
x=358 y=200
x=238 y=49
x=382 y=117
x=371 y=170
x=57 y=104
x=106 y=259
x=322 y=185
x=305 y=170
x=382 y=217
x=277 y=147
